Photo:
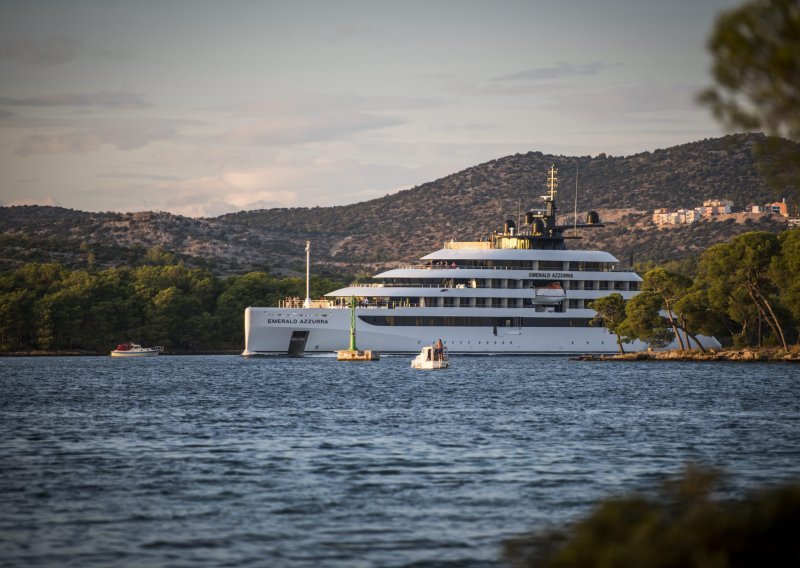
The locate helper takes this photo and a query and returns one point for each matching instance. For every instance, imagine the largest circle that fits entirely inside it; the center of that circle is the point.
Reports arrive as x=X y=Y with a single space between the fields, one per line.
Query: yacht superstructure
x=518 y=291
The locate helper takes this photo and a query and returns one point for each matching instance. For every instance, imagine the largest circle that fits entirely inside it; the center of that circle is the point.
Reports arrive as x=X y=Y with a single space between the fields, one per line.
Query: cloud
x=469 y=127
x=349 y=33
x=298 y=129
x=536 y=81
x=320 y=104
x=232 y=190
x=626 y=101
x=55 y=50
x=103 y=99
x=123 y=135
x=112 y=54
x=561 y=70
x=317 y=118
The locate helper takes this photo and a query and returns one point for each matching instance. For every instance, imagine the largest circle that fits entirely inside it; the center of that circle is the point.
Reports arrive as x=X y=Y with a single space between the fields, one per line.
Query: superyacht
x=518 y=291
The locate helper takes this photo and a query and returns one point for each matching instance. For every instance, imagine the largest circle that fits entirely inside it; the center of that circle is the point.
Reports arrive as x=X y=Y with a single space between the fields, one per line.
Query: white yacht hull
x=270 y=331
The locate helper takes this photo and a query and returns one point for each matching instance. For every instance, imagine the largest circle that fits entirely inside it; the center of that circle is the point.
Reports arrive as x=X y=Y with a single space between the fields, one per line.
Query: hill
x=403 y=226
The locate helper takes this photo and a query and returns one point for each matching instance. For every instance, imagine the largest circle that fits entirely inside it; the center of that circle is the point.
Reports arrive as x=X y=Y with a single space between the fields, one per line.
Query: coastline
x=80 y=353
x=748 y=354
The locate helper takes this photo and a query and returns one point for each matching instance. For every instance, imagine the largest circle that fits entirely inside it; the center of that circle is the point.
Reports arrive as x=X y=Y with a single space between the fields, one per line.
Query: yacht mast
x=575 y=218
x=307 y=303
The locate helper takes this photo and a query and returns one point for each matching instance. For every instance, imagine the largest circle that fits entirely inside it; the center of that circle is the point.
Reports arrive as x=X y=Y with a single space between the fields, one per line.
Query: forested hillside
x=405 y=225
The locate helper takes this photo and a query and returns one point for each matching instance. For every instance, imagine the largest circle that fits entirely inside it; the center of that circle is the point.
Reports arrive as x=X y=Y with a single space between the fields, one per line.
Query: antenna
x=552 y=184
x=307 y=303
x=575 y=228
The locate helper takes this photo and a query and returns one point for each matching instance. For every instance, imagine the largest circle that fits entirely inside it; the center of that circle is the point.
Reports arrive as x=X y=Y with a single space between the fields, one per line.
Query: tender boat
x=131 y=349
x=428 y=360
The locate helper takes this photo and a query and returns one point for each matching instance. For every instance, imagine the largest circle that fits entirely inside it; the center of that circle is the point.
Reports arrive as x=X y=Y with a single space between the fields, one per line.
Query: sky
x=202 y=108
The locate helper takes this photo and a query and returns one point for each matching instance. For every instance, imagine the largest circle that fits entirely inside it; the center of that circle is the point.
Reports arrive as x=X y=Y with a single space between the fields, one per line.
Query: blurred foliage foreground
x=684 y=525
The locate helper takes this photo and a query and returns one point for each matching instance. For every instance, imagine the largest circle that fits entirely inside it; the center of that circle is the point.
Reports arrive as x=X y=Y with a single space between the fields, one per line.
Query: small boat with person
x=432 y=357
x=131 y=349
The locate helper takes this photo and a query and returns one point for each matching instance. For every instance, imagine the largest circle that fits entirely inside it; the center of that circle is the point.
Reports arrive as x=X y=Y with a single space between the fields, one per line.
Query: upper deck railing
x=445 y=266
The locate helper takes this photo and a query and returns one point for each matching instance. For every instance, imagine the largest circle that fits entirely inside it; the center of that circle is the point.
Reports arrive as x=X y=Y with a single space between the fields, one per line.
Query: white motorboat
x=429 y=359
x=131 y=349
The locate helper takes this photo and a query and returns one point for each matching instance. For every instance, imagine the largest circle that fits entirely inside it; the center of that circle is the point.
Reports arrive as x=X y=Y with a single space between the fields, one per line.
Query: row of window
x=524 y=265
x=449 y=302
x=474 y=321
x=503 y=283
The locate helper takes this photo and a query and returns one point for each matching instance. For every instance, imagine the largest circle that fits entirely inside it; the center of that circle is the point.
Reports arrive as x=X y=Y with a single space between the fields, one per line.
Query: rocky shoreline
x=748 y=354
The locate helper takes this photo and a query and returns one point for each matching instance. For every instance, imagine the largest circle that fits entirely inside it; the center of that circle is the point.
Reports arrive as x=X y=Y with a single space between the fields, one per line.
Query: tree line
x=745 y=292
x=45 y=306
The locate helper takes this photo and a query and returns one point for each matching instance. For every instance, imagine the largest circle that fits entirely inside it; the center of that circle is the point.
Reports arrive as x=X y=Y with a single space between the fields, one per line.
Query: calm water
x=214 y=461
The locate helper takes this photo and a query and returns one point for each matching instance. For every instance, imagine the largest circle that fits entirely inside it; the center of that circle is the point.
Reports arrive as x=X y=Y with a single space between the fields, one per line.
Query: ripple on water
x=208 y=461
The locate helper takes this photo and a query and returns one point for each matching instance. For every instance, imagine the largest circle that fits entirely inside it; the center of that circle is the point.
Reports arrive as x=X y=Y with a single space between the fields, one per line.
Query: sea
x=299 y=462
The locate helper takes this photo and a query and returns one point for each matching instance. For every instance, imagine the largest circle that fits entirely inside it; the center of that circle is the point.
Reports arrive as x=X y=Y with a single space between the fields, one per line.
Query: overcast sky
x=203 y=108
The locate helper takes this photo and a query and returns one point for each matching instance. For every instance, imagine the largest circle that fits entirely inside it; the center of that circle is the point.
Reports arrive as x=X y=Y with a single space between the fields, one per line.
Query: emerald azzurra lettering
x=296 y=321
x=550 y=275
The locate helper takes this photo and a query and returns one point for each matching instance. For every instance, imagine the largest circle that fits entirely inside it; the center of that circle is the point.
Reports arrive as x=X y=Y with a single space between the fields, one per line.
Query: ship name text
x=550 y=275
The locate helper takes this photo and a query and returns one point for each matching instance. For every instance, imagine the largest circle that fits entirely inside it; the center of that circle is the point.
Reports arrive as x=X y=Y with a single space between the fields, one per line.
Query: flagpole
x=307 y=303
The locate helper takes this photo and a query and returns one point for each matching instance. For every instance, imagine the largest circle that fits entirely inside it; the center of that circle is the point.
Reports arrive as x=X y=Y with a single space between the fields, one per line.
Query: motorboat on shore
x=429 y=359
x=131 y=349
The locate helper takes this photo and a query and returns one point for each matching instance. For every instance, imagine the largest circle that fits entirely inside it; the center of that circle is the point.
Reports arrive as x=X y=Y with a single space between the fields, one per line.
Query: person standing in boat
x=438 y=350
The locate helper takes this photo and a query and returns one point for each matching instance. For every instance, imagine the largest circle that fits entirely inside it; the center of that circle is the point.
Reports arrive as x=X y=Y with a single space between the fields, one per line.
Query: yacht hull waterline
x=269 y=331
x=518 y=290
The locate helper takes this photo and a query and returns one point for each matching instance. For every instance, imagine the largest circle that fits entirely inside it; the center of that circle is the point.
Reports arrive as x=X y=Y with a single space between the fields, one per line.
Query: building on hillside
x=678 y=217
x=755 y=208
x=778 y=208
x=713 y=207
x=660 y=216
